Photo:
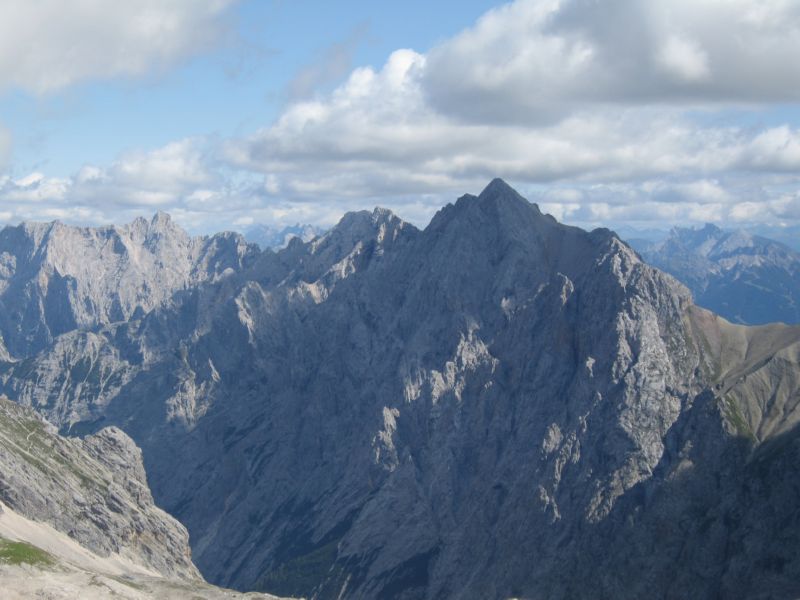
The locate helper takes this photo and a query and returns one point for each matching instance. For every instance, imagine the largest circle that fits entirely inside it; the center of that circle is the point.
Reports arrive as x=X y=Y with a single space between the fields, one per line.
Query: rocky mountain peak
x=499 y=189
x=362 y=226
x=497 y=212
x=361 y=233
x=276 y=238
x=712 y=242
x=162 y=220
x=163 y=230
x=500 y=197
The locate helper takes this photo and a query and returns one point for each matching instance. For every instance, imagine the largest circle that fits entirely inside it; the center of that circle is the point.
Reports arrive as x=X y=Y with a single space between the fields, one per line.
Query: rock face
x=496 y=406
x=745 y=278
x=77 y=520
x=94 y=490
x=55 y=278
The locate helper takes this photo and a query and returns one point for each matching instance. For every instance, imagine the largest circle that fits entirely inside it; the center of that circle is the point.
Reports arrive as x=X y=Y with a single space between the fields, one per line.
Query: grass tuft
x=22 y=553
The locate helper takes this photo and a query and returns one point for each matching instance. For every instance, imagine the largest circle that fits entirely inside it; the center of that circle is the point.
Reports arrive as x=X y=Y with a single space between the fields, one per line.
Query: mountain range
x=55 y=278
x=496 y=406
x=275 y=238
x=743 y=277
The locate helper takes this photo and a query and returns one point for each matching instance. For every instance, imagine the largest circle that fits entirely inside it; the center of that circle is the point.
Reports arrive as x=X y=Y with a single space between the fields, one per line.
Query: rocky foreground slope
x=77 y=519
x=496 y=406
x=746 y=278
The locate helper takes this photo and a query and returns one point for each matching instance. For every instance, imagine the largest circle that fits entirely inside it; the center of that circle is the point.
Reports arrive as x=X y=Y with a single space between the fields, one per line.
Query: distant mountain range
x=743 y=277
x=266 y=236
x=496 y=406
x=788 y=235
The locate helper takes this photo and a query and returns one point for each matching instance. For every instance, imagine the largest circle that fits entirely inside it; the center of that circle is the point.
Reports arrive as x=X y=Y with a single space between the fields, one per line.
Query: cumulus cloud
x=377 y=136
x=534 y=60
x=548 y=92
x=777 y=148
x=46 y=45
x=164 y=177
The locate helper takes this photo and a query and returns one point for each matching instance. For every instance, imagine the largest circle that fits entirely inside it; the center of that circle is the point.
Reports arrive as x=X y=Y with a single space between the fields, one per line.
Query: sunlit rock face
x=55 y=278
x=495 y=406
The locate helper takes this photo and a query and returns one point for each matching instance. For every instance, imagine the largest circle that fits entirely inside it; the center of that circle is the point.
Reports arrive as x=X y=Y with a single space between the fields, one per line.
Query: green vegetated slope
x=23 y=553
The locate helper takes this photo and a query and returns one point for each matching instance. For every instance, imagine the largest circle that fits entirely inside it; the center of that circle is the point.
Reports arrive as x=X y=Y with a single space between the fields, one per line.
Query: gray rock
x=94 y=490
x=55 y=278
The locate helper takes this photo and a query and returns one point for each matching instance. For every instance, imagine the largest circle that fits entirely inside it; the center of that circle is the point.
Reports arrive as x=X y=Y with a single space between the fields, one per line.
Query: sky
x=230 y=113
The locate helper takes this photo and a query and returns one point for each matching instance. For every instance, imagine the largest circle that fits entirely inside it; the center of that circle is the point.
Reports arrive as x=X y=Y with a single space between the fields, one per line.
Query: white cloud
x=30 y=180
x=553 y=93
x=33 y=189
x=46 y=45
x=684 y=59
x=375 y=136
x=183 y=178
x=777 y=148
x=172 y=168
x=5 y=145
x=536 y=60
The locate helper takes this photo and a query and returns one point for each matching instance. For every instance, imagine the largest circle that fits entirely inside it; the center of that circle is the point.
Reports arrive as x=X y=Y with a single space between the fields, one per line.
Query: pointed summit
x=503 y=199
x=357 y=233
x=499 y=207
x=498 y=188
x=711 y=228
x=162 y=221
x=364 y=225
x=163 y=229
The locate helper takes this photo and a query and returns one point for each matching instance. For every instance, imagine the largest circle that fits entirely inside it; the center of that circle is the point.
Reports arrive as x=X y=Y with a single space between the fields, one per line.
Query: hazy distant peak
x=744 y=277
x=275 y=238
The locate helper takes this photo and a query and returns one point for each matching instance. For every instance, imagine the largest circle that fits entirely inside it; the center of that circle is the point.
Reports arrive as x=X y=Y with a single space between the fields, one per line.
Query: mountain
x=788 y=235
x=496 y=406
x=745 y=278
x=276 y=238
x=77 y=518
x=55 y=278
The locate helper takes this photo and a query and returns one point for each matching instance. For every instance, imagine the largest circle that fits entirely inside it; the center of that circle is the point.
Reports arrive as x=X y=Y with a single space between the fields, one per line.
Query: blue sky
x=231 y=88
x=226 y=113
